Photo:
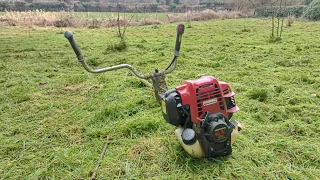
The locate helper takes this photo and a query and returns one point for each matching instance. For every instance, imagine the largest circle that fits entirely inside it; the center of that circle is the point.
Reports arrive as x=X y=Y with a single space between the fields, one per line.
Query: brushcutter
x=201 y=109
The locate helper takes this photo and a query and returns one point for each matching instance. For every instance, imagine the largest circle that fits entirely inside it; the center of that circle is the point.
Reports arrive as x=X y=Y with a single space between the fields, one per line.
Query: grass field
x=54 y=115
x=136 y=16
x=107 y=15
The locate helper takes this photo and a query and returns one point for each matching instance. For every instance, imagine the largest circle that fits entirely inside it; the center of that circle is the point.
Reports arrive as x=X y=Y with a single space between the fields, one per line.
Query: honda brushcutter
x=201 y=108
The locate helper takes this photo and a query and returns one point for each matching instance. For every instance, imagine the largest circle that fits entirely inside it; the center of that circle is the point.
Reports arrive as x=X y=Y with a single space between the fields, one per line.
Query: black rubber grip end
x=68 y=35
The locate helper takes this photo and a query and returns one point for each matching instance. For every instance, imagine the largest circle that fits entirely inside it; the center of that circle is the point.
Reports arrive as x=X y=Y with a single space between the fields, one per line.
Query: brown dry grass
x=30 y=18
x=290 y=20
x=41 y=18
x=204 y=15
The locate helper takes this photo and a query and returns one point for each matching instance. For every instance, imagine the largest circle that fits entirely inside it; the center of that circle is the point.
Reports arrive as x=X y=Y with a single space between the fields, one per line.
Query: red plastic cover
x=205 y=95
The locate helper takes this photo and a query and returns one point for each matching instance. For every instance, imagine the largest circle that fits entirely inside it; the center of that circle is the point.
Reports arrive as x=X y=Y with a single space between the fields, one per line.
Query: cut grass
x=54 y=115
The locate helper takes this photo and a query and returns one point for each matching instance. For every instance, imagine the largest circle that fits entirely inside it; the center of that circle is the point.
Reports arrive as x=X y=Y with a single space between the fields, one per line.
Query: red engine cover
x=206 y=94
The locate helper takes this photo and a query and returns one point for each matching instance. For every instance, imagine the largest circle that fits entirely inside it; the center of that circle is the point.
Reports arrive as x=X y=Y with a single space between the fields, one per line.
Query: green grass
x=54 y=115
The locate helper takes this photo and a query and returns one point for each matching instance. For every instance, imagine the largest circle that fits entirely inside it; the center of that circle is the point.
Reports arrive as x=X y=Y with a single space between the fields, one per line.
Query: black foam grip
x=69 y=36
x=180 y=31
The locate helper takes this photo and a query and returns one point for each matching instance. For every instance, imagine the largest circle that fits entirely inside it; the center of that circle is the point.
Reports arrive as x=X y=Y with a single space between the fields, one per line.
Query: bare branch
x=126 y=25
x=94 y=175
x=118 y=20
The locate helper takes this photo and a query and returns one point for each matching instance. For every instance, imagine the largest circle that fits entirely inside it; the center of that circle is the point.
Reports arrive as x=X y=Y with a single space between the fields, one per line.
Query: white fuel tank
x=195 y=150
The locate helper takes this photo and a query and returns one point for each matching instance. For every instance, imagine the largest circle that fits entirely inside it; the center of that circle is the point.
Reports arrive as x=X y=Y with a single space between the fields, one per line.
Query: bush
x=307 y=2
x=64 y=22
x=290 y=20
x=122 y=46
x=150 y=21
x=296 y=11
x=20 y=5
x=48 y=6
x=4 y=5
x=95 y=24
x=313 y=11
x=203 y=15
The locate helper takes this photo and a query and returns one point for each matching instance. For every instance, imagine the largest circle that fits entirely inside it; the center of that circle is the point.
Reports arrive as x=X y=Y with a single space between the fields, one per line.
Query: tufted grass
x=54 y=115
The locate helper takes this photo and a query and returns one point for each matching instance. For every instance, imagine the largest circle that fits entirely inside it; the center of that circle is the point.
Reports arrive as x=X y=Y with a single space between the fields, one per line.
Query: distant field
x=104 y=15
x=54 y=115
x=136 y=16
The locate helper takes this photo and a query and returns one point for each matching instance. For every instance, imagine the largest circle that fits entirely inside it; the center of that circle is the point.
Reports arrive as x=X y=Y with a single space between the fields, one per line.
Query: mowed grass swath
x=54 y=115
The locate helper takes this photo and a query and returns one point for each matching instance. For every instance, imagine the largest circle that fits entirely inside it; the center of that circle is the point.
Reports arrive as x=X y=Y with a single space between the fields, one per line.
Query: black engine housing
x=172 y=108
x=215 y=135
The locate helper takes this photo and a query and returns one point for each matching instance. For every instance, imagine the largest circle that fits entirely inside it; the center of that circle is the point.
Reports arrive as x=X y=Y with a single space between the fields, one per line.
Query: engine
x=202 y=109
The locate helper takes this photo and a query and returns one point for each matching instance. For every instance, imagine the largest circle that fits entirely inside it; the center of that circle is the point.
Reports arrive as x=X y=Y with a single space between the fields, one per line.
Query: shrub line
x=40 y=18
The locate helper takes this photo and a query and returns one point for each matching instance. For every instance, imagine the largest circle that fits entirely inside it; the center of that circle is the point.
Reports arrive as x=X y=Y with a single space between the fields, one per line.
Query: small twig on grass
x=94 y=175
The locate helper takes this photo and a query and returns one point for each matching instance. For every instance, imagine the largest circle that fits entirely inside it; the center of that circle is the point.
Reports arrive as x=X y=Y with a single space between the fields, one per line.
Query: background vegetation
x=54 y=115
x=248 y=6
x=313 y=11
x=93 y=20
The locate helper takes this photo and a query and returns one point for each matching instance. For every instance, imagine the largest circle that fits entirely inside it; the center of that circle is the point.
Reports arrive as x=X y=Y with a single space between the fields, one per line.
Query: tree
x=313 y=11
x=307 y=2
x=4 y=5
x=28 y=1
x=83 y=1
x=162 y=2
x=66 y=1
x=177 y=1
x=20 y=5
x=122 y=27
x=277 y=13
x=168 y=2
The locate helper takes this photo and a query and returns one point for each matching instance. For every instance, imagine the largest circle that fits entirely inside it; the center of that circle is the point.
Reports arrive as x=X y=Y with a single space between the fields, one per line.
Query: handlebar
x=180 y=31
x=81 y=59
x=69 y=36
